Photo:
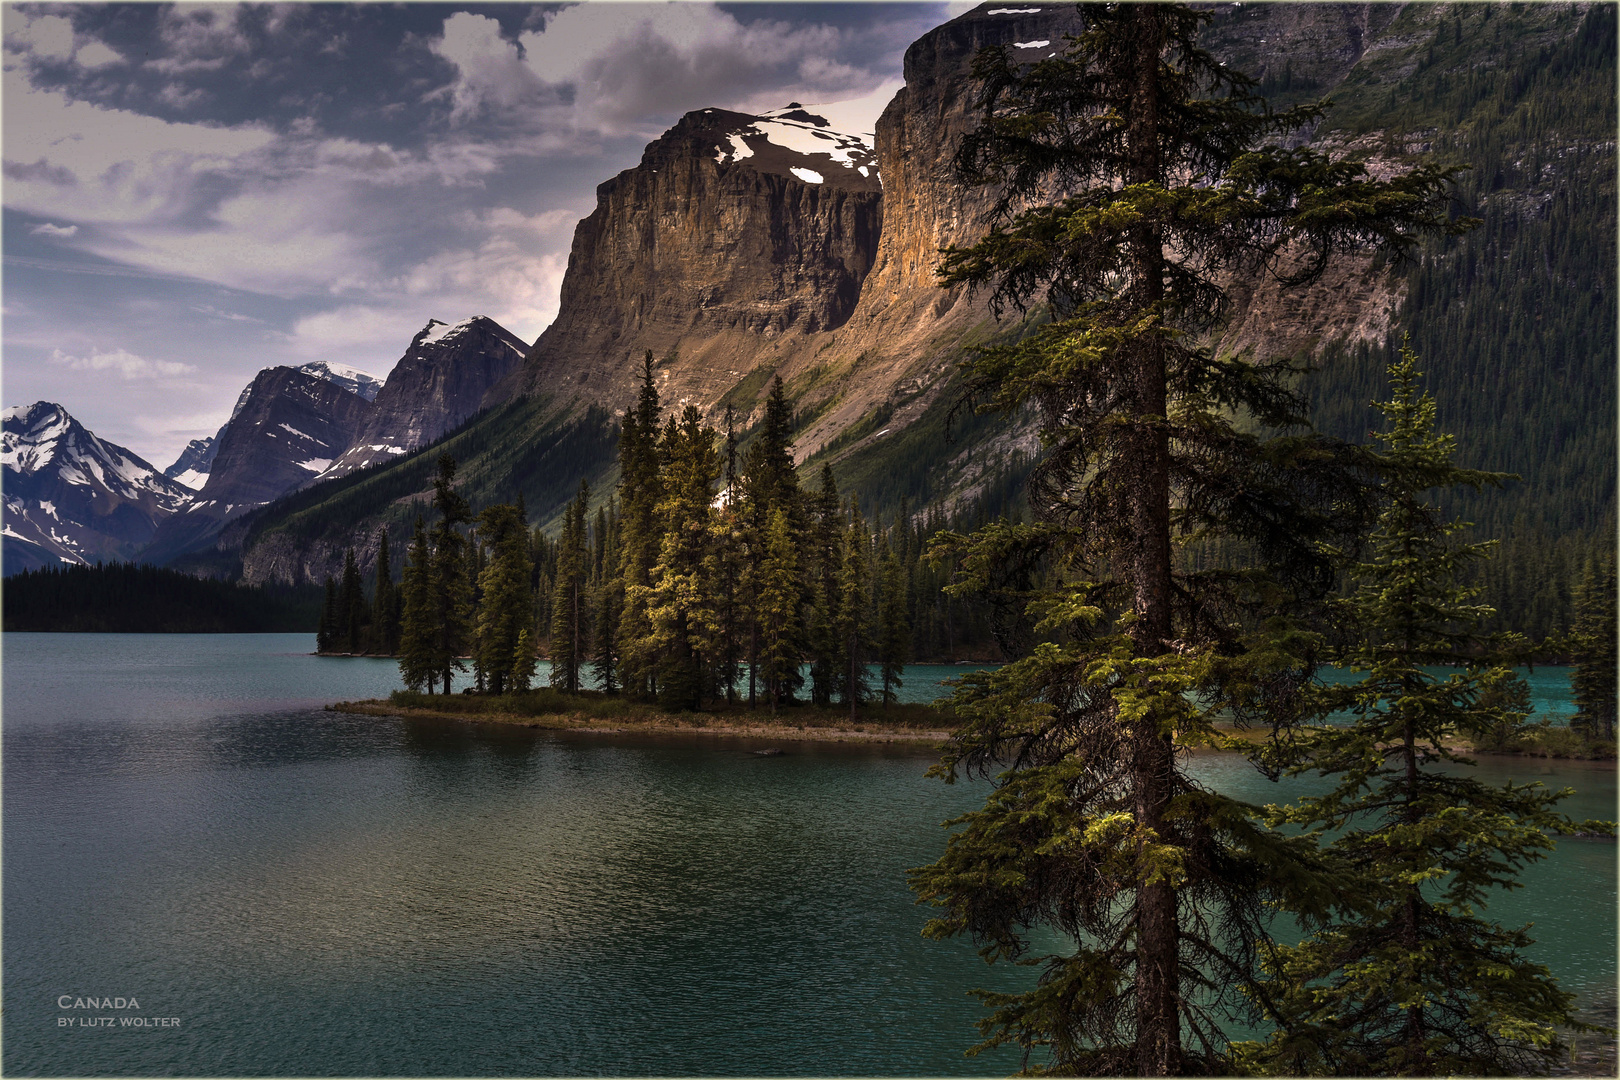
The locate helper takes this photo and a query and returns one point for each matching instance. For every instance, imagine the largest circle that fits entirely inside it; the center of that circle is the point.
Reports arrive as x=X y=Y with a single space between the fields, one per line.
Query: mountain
x=72 y=497
x=735 y=235
x=289 y=427
x=437 y=384
x=191 y=467
x=733 y=268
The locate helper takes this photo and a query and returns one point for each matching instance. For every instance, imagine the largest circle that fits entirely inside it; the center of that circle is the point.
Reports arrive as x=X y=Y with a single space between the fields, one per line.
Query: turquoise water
x=311 y=893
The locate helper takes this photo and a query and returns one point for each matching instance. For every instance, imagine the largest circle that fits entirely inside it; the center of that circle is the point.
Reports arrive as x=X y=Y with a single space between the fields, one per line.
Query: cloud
x=243 y=206
x=632 y=65
x=41 y=171
x=96 y=55
x=51 y=38
x=229 y=316
x=490 y=73
x=47 y=229
x=125 y=363
x=631 y=68
x=200 y=37
x=44 y=37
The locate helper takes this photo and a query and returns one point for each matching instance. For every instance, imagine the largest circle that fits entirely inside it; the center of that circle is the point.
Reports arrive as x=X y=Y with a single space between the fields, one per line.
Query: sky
x=194 y=192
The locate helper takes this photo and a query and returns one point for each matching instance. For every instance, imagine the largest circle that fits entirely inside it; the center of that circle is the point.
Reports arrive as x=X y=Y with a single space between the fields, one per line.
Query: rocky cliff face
x=436 y=385
x=290 y=427
x=72 y=497
x=905 y=332
x=730 y=271
x=735 y=234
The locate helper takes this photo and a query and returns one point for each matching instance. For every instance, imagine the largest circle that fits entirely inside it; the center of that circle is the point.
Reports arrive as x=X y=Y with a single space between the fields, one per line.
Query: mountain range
x=744 y=248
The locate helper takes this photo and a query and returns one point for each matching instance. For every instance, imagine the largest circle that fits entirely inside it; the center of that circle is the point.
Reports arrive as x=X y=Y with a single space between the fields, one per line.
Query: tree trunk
x=1153 y=753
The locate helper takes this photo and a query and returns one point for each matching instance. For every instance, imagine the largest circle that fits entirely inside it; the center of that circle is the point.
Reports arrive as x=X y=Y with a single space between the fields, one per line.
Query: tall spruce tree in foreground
x=1409 y=980
x=1095 y=829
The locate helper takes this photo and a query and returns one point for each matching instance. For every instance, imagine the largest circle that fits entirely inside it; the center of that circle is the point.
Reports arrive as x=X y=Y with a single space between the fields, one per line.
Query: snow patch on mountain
x=350 y=378
x=437 y=331
x=191 y=478
x=800 y=132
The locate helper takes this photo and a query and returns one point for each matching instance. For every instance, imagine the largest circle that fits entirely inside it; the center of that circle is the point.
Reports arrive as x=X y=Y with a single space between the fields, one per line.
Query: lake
x=314 y=893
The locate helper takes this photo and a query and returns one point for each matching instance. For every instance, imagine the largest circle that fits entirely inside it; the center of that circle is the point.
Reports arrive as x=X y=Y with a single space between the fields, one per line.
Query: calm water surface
x=312 y=893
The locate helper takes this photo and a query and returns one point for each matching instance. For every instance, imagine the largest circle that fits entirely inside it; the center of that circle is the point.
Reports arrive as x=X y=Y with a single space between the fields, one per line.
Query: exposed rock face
x=904 y=319
x=437 y=384
x=289 y=428
x=72 y=497
x=726 y=266
x=734 y=232
x=195 y=462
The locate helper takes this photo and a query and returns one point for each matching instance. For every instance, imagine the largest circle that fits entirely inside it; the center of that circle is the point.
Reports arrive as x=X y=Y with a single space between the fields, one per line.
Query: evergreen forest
x=129 y=598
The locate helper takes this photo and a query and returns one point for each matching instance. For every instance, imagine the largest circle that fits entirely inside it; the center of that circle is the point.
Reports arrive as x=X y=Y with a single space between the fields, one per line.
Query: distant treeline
x=130 y=598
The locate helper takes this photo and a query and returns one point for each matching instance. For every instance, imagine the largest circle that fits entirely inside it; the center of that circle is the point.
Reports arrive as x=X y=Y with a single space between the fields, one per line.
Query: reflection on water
x=316 y=893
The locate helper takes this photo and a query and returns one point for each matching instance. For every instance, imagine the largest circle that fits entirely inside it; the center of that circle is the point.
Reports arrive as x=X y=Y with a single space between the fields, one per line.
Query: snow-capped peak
x=800 y=132
x=437 y=330
x=32 y=434
x=43 y=434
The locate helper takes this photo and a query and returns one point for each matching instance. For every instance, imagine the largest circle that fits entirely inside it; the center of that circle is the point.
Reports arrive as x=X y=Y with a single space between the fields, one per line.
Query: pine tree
x=326 y=633
x=725 y=569
x=384 y=603
x=778 y=609
x=609 y=598
x=449 y=575
x=351 y=605
x=825 y=558
x=506 y=607
x=685 y=628
x=854 y=610
x=1407 y=979
x=1595 y=654
x=419 y=622
x=771 y=483
x=570 y=609
x=894 y=625
x=1094 y=828
x=640 y=492
x=521 y=675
